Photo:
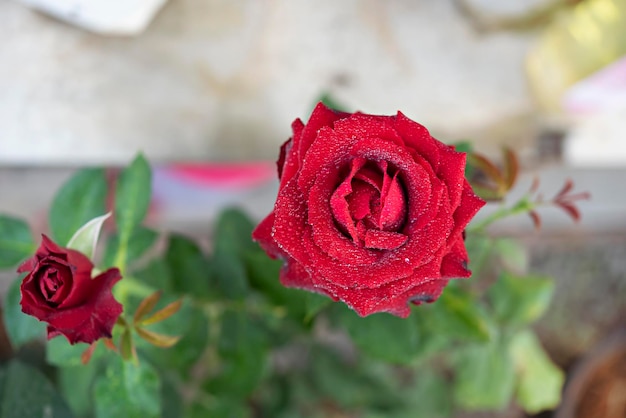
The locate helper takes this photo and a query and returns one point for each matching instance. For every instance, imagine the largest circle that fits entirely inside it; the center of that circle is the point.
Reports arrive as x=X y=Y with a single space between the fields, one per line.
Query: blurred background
x=207 y=89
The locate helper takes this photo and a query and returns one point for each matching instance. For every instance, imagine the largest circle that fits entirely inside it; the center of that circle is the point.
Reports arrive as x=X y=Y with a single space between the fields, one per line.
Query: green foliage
x=76 y=385
x=520 y=300
x=188 y=267
x=485 y=376
x=80 y=199
x=353 y=385
x=263 y=275
x=330 y=101
x=314 y=303
x=189 y=323
x=226 y=408
x=25 y=392
x=232 y=243
x=59 y=352
x=156 y=274
x=251 y=347
x=512 y=254
x=128 y=390
x=140 y=241
x=429 y=396
x=16 y=241
x=20 y=328
x=132 y=199
x=480 y=251
x=459 y=315
x=242 y=350
x=373 y=333
x=540 y=381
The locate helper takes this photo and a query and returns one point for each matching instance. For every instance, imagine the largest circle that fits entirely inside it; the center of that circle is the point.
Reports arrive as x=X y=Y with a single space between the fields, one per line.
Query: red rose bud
x=370 y=211
x=59 y=290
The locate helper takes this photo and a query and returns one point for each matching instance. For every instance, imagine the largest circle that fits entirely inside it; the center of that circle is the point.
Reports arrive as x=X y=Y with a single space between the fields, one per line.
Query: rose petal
x=328 y=150
x=263 y=235
x=451 y=170
x=384 y=240
x=94 y=319
x=326 y=237
x=321 y=117
x=338 y=203
x=417 y=137
x=290 y=222
x=393 y=205
x=454 y=263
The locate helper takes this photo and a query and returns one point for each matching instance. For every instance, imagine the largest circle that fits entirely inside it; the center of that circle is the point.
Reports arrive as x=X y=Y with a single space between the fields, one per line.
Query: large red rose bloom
x=370 y=211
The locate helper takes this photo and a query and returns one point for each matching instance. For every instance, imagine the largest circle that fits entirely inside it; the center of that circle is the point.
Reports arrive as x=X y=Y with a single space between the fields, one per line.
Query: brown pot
x=597 y=388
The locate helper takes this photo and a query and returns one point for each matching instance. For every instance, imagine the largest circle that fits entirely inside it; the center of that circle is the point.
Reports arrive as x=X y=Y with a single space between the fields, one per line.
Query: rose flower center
x=369 y=206
x=52 y=283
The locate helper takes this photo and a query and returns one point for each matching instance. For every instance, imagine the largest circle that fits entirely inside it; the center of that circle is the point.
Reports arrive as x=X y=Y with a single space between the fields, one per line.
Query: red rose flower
x=60 y=291
x=370 y=211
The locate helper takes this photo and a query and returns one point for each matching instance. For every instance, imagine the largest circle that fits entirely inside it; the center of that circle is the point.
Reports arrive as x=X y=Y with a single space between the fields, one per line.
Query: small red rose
x=59 y=290
x=370 y=211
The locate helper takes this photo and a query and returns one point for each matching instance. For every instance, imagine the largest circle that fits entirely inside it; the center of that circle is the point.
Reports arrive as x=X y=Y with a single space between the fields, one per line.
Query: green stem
x=523 y=205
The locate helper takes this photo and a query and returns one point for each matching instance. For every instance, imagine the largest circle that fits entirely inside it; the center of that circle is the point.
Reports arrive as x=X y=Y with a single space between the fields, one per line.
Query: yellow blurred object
x=580 y=41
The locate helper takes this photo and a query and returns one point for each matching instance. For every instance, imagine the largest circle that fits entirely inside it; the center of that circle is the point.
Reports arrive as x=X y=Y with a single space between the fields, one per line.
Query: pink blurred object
x=598 y=92
x=193 y=194
x=241 y=175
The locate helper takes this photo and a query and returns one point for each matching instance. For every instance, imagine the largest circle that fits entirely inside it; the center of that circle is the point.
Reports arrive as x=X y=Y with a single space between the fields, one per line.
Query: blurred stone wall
x=223 y=79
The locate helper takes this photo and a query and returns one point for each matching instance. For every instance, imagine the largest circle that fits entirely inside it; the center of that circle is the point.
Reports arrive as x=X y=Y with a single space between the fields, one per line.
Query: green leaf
x=59 y=352
x=512 y=253
x=485 y=376
x=540 y=381
x=263 y=273
x=480 y=250
x=382 y=335
x=156 y=274
x=232 y=243
x=331 y=102
x=80 y=199
x=229 y=275
x=21 y=328
x=141 y=240
x=430 y=397
x=314 y=303
x=233 y=232
x=188 y=266
x=86 y=238
x=16 y=241
x=459 y=314
x=171 y=400
x=222 y=408
x=353 y=384
x=128 y=390
x=75 y=383
x=132 y=199
x=520 y=300
x=463 y=146
x=25 y=392
x=243 y=354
